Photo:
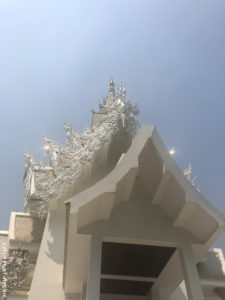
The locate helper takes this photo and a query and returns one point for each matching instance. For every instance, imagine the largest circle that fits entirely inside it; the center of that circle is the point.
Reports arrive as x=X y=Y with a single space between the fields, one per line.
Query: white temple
x=112 y=217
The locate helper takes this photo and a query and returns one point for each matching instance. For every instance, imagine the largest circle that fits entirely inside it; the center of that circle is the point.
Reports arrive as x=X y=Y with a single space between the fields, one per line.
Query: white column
x=191 y=277
x=155 y=294
x=94 y=274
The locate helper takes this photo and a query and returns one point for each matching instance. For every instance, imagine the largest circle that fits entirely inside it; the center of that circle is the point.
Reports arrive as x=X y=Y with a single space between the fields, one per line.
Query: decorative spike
x=66 y=126
x=27 y=154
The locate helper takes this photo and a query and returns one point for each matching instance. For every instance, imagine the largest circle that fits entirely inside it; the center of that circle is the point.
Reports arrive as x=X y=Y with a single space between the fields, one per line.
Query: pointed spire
x=111 y=87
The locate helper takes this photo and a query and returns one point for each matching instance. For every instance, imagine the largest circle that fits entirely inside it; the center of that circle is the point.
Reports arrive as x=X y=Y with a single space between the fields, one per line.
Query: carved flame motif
x=45 y=182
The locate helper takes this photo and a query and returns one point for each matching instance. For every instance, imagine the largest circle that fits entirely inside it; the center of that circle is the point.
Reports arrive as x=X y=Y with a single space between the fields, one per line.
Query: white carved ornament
x=193 y=180
x=44 y=182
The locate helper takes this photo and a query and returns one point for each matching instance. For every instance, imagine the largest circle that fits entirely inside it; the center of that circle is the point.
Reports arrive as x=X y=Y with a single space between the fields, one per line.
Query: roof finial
x=111 y=87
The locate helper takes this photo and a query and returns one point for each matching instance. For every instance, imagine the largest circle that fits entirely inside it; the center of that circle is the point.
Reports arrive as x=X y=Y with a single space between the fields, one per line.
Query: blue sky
x=56 y=59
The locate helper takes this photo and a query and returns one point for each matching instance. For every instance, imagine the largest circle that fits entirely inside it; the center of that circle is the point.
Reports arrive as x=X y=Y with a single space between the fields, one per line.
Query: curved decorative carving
x=44 y=182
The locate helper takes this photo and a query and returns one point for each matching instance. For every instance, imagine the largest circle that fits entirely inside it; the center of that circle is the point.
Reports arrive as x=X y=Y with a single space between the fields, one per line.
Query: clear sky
x=56 y=59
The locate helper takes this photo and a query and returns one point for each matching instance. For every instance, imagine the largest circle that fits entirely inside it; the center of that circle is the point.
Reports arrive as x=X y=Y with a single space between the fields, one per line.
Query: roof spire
x=111 y=87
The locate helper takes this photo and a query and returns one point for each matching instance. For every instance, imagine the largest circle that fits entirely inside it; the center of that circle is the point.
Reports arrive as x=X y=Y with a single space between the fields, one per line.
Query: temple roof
x=165 y=183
